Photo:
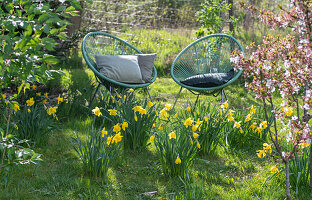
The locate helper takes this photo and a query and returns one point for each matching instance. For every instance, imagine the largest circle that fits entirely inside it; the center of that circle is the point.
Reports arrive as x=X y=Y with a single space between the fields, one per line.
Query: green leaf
x=54 y=31
x=51 y=60
x=70 y=9
x=43 y=18
x=76 y=4
x=27 y=86
x=60 y=9
x=20 y=88
x=28 y=31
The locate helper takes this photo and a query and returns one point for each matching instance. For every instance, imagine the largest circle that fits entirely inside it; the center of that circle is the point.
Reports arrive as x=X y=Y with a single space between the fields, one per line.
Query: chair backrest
x=99 y=43
x=210 y=54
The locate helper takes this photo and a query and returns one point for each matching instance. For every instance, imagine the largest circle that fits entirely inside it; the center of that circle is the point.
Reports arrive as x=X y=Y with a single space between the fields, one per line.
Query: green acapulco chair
x=99 y=43
x=210 y=54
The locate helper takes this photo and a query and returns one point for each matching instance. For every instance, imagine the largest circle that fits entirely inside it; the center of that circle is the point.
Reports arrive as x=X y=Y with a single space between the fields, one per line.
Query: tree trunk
x=288 y=196
x=231 y=14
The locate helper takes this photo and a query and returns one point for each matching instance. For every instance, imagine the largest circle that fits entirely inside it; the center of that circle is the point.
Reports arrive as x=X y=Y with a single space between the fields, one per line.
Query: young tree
x=284 y=64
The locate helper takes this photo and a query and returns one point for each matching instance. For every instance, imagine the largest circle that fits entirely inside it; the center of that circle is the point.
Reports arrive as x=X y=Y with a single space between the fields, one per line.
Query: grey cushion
x=146 y=63
x=122 y=68
x=209 y=80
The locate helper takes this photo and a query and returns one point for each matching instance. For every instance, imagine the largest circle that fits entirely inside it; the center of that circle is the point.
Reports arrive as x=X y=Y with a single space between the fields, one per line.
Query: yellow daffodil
x=96 y=111
x=263 y=125
x=220 y=112
x=188 y=122
x=164 y=113
x=46 y=94
x=198 y=145
x=195 y=135
x=194 y=128
x=160 y=128
x=261 y=153
x=156 y=113
x=30 y=101
x=150 y=104
x=34 y=87
x=124 y=97
x=274 y=169
x=137 y=108
x=188 y=109
x=206 y=119
x=176 y=115
x=109 y=140
x=118 y=96
x=104 y=132
x=231 y=112
x=93 y=83
x=44 y=101
x=172 y=135
x=191 y=142
x=51 y=110
x=178 y=161
x=241 y=130
x=258 y=130
x=38 y=94
x=248 y=118
x=142 y=111
x=154 y=125
x=267 y=148
x=253 y=126
x=197 y=111
x=116 y=128
x=124 y=125
x=168 y=107
x=288 y=111
x=16 y=127
x=59 y=99
x=237 y=124
x=230 y=118
x=253 y=109
x=135 y=118
x=112 y=112
x=28 y=110
x=151 y=139
x=304 y=144
x=131 y=90
x=16 y=107
x=225 y=105
x=117 y=138
x=3 y=96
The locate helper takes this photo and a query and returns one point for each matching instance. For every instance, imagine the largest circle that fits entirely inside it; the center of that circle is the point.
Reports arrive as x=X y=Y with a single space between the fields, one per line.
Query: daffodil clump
x=101 y=147
x=140 y=116
x=33 y=116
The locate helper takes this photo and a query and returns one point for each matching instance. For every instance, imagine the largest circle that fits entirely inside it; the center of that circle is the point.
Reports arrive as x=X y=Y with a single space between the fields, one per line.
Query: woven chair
x=210 y=54
x=99 y=43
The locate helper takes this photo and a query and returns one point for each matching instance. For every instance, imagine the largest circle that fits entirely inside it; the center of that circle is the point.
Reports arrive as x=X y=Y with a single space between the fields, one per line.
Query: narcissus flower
x=160 y=128
x=231 y=112
x=131 y=90
x=230 y=118
x=264 y=125
x=44 y=101
x=150 y=104
x=195 y=135
x=253 y=109
x=237 y=124
x=124 y=125
x=112 y=112
x=46 y=94
x=104 y=132
x=258 y=130
x=109 y=140
x=167 y=107
x=28 y=110
x=176 y=115
x=59 y=99
x=38 y=94
x=225 y=105
x=96 y=111
x=137 y=108
x=248 y=118
x=188 y=122
x=135 y=118
x=34 y=87
x=304 y=144
x=261 y=153
x=253 y=126
x=274 y=169
x=30 y=101
x=3 y=96
x=206 y=119
x=172 y=135
x=188 y=109
x=142 y=111
x=154 y=125
x=198 y=145
x=16 y=107
x=288 y=111
x=164 y=113
x=178 y=161
x=117 y=138
x=151 y=139
x=194 y=128
x=51 y=110
x=116 y=128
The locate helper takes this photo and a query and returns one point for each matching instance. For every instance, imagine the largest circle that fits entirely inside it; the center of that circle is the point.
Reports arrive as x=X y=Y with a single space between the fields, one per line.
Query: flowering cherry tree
x=283 y=64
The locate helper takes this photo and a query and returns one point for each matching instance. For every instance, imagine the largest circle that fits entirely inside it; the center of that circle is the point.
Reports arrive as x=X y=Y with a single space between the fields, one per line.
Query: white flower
x=294 y=118
x=62 y=1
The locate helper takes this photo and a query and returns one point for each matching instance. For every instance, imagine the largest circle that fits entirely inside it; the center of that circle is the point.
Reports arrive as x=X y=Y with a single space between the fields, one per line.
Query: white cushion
x=122 y=68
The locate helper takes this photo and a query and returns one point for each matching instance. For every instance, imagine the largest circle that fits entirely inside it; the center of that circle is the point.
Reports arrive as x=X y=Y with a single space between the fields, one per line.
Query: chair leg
x=91 y=100
x=177 y=98
x=223 y=94
x=149 y=94
x=196 y=100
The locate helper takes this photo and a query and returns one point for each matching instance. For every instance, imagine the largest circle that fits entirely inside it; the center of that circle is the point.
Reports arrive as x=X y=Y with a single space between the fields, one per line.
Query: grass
x=224 y=175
